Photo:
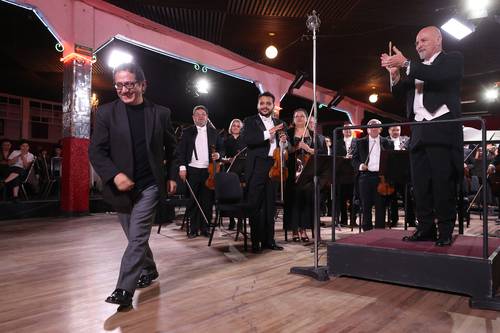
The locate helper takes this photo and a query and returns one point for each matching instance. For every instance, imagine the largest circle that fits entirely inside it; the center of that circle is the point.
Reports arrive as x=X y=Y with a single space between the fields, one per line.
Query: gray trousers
x=138 y=258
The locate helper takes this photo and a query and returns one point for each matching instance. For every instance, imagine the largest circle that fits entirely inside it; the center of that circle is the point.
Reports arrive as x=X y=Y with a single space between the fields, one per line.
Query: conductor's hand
x=397 y=60
x=171 y=187
x=276 y=128
x=183 y=175
x=123 y=183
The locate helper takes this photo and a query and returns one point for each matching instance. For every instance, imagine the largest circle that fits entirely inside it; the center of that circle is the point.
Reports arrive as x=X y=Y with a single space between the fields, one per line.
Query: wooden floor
x=56 y=273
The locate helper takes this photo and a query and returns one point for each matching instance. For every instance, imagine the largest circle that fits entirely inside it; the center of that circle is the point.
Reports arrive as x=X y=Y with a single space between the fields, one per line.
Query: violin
x=384 y=188
x=213 y=168
x=279 y=171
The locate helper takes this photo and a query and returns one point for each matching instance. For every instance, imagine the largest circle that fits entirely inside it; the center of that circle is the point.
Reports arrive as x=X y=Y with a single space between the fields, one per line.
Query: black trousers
x=345 y=196
x=434 y=185
x=205 y=196
x=368 y=182
x=261 y=198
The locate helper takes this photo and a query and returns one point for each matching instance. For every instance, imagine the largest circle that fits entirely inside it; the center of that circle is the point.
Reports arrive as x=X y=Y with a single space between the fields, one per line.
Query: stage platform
x=381 y=255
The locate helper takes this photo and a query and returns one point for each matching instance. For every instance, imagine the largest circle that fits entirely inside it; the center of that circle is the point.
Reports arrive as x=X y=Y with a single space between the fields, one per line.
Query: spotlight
x=373 y=98
x=271 y=52
x=202 y=86
x=457 y=28
x=118 y=57
x=336 y=100
x=477 y=8
x=300 y=78
x=491 y=94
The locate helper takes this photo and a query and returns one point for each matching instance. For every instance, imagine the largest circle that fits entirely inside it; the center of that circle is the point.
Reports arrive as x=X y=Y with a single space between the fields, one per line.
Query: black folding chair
x=229 y=202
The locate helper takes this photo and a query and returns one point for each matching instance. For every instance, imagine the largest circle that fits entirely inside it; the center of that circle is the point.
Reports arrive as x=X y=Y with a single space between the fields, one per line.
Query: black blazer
x=253 y=137
x=442 y=81
x=187 y=142
x=360 y=150
x=110 y=150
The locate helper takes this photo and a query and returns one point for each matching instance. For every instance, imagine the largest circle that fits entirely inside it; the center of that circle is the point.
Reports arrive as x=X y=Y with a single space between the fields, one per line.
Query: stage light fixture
x=477 y=8
x=118 y=57
x=271 y=52
x=202 y=86
x=458 y=29
x=336 y=100
x=491 y=94
x=373 y=98
x=298 y=81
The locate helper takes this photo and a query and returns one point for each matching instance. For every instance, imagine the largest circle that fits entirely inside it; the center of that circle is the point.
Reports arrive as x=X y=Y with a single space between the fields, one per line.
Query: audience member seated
x=19 y=163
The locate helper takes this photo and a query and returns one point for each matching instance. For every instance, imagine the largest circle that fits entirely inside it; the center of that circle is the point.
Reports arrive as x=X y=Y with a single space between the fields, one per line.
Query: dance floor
x=56 y=272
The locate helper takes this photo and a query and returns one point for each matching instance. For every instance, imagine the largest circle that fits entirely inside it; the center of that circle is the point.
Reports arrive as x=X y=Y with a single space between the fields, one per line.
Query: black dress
x=298 y=202
x=233 y=147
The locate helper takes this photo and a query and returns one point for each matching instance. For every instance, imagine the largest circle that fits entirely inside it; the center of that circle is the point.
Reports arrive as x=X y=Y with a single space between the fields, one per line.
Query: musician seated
x=366 y=160
x=194 y=156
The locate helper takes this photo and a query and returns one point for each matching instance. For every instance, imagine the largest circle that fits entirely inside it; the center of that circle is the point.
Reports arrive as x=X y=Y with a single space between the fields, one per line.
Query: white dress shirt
x=348 y=142
x=397 y=143
x=200 y=159
x=19 y=161
x=420 y=111
x=268 y=123
x=374 y=151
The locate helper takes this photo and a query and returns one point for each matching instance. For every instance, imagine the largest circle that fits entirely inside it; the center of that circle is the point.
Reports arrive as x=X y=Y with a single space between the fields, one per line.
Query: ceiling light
x=271 y=52
x=477 y=8
x=457 y=29
x=118 y=57
x=373 y=98
x=202 y=86
x=491 y=94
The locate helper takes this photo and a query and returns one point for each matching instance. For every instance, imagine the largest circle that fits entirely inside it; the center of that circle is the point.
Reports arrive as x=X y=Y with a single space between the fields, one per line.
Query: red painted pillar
x=76 y=134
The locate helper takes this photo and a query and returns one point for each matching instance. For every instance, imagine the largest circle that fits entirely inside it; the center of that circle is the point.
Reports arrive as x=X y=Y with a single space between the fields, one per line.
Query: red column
x=76 y=133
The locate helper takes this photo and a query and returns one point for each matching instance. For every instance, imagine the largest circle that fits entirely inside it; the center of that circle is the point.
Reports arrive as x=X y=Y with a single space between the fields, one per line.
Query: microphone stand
x=319 y=273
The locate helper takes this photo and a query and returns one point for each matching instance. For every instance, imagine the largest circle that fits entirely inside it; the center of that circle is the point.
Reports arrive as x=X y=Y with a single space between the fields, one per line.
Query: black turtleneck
x=143 y=175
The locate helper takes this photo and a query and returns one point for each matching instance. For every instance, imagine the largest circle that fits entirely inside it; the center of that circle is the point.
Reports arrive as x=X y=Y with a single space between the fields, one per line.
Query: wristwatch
x=406 y=64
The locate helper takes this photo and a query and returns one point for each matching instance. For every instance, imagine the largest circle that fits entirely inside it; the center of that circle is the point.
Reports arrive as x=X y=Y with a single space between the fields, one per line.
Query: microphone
x=313 y=22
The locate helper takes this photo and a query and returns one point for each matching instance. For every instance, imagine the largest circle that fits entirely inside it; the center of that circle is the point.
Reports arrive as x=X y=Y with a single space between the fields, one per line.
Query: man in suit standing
x=194 y=156
x=346 y=191
x=366 y=160
x=262 y=133
x=432 y=89
x=131 y=141
x=400 y=142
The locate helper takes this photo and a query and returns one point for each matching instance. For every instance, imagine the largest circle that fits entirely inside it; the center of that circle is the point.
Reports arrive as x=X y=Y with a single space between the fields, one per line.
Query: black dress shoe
x=419 y=236
x=147 y=279
x=445 y=241
x=275 y=247
x=120 y=297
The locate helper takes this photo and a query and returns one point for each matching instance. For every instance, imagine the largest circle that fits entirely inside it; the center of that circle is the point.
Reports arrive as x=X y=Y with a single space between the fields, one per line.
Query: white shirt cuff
x=267 y=135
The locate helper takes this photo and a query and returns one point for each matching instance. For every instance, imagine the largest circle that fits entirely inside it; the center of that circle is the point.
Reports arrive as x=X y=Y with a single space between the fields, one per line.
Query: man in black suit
x=262 y=133
x=194 y=156
x=401 y=142
x=132 y=139
x=366 y=160
x=432 y=89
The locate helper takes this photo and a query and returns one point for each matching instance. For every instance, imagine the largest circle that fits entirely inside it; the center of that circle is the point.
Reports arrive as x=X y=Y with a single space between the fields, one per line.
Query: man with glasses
x=131 y=140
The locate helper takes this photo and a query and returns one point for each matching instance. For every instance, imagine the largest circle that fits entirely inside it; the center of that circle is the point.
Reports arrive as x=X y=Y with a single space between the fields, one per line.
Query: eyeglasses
x=128 y=85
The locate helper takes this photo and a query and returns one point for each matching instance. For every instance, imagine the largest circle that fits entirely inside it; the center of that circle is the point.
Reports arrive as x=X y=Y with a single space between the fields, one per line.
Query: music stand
x=395 y=167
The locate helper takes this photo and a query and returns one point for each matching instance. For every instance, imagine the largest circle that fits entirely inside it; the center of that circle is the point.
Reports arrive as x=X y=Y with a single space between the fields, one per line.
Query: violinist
x=194 y=157
x=262 y=134
x=366 y=160
x=234 y=147
x=299 y=202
